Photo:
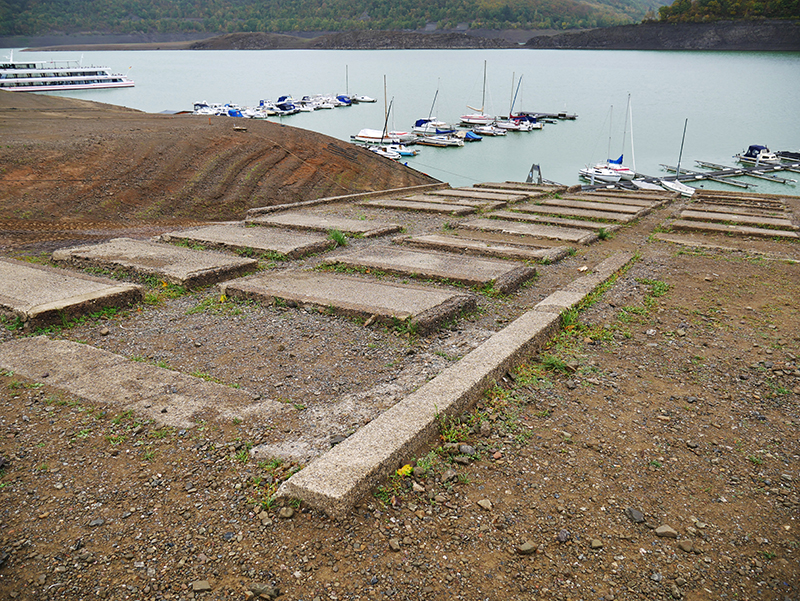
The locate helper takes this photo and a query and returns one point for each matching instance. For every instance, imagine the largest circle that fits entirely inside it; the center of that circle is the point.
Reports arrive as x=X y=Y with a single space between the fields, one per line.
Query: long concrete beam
x=336 y=481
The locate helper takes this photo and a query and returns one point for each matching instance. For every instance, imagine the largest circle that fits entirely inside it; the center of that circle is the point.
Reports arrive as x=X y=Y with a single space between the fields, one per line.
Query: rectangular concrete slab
x=504 y=276
x=552 y=220
x=740 y=210
x=636 y=199
x=478 y=194
x=529 y=230
x=174 y=264
x=336 y=481
x=486 y=248
x=40 y=295
x=424 y=308
x=530 y=190
x=592 y=205
x=784 y=224
x=742 y=230
x=256 y=239
x=583 y=213
x=324 y=223
x=485 y=205
x=422 y=206
x=163 y=395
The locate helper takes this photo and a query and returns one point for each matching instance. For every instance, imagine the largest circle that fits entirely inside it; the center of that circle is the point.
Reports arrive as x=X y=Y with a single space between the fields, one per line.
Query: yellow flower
x=405 y=470
x=222 y=298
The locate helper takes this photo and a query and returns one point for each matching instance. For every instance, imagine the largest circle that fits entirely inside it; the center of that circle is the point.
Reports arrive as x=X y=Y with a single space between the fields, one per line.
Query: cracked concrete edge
x=340 y=478
x=57 y=311
x=256 y=211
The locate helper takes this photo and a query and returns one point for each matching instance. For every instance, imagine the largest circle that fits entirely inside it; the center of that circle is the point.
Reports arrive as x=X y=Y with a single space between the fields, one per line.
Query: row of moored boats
x=283 y=106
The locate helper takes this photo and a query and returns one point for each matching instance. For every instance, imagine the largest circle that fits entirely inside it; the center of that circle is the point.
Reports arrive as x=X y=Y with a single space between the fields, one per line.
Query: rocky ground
x=651 y=452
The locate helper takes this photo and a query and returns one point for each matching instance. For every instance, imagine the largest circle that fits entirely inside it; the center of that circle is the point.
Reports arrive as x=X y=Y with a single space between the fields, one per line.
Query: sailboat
x=615 y=165
x=479 y=118
x=432 y=126
x=600 y=172
x=673 y=185
x=518 y=122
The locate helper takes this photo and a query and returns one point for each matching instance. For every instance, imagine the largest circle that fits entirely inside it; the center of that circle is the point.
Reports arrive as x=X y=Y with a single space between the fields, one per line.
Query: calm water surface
x=731 y=100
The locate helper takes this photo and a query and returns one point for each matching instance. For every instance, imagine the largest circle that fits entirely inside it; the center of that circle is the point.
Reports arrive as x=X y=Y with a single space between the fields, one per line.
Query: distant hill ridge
x=766 y=35
x=40 y=17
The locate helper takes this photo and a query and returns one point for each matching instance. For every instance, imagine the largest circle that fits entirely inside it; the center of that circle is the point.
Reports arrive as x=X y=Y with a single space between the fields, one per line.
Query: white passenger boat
x=49 y=76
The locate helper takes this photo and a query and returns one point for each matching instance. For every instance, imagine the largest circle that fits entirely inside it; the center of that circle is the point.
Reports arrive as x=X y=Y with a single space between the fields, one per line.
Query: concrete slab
x=592 y=205
x=486 y=248
x=485 y=205
x=637 y=199
x=552 y=220
x=174 y=264
x=504 y=276
x=422 y=206
x=336 y=481
x=784 y=224
x=780 y=213
x=41 y=296
x=717 y=228
x=529 y=230
x=324 y=223
x=423 y=308
x=584 y=213
x=292 y=245
x=163 y=395
x=531 y=190
x=478 y=194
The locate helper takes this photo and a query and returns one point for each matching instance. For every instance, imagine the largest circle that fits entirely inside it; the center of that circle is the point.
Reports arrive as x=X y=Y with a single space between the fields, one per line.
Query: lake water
x=731 y=100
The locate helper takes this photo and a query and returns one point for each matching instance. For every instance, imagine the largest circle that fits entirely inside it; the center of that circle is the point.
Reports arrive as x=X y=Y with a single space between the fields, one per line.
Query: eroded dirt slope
x=72 y=160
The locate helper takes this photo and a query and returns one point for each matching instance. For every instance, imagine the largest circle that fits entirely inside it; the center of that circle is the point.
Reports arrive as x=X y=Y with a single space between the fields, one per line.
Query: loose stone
x=666 y=531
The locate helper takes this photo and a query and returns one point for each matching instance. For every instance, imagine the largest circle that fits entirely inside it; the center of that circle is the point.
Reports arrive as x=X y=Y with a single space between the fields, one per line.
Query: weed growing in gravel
x=190 y=244
x=604 y=234
x=338 y=237
x=223 y=305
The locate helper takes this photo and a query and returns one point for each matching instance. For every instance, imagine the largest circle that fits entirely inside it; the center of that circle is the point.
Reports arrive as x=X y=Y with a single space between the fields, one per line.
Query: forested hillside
x=38 y=17
x=689 y=11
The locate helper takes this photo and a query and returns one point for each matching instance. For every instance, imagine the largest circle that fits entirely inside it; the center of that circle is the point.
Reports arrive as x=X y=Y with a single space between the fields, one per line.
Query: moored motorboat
x=362 y=98
x=758 y=154
x=488 y=130
x=440 y=141
x=403 y=150
x=385 y=152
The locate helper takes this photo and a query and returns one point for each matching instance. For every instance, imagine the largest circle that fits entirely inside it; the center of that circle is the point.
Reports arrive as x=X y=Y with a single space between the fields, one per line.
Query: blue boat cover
x=755 y=149
x=421 y=122
x=471 y=137
x=617 y=162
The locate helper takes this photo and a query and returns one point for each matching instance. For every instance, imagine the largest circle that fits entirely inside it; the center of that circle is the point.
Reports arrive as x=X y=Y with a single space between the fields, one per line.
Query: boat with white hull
x=51 y=76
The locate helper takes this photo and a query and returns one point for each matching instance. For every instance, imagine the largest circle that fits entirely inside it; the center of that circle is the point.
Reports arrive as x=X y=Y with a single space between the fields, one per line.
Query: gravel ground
x=650 y=452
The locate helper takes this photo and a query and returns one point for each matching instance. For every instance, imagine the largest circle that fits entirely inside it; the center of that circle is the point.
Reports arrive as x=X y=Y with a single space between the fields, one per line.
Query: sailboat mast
x=514 y=100
x=483 y=96
x=680 y=155
x=433 y=104
x=625 y=125
x=347 y=80
x=633 y=152
x=610 y=120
